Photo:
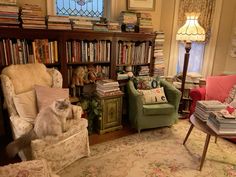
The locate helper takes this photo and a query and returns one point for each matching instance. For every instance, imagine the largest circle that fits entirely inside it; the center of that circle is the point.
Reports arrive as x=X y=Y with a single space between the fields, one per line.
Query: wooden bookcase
x=64 y=36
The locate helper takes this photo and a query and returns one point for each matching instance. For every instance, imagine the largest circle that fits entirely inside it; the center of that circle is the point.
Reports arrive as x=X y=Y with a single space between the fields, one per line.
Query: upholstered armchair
x=60 y=151
x=144 y=115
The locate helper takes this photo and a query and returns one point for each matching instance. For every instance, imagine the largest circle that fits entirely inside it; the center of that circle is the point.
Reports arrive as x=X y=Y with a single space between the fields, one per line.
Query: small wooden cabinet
x=111 y=116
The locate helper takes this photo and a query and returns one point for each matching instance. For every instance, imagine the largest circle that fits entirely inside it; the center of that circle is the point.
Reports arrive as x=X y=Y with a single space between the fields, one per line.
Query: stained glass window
x=85 y=8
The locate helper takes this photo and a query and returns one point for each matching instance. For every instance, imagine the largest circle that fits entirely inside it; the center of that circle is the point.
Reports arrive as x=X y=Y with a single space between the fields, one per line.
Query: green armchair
x=144 y=116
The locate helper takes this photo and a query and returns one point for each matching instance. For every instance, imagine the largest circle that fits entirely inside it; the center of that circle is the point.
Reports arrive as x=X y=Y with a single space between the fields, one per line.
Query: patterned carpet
x=157 y=153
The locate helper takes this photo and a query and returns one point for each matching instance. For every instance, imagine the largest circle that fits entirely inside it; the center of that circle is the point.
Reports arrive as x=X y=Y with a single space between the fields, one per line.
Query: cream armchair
x=59 y=151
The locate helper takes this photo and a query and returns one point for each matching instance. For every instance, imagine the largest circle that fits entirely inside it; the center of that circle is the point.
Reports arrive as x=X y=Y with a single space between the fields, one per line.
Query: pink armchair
x=217 y=88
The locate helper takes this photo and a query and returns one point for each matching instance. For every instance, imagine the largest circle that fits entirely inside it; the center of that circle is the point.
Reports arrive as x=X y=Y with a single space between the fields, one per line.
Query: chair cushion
x=218 y=87
x=26 y=105
x=47 y=95
x=158 y=109
x=24 y=77
x=146 y=82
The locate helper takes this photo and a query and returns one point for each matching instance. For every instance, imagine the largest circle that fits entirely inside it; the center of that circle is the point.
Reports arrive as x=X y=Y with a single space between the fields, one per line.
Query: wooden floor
x=93 y=139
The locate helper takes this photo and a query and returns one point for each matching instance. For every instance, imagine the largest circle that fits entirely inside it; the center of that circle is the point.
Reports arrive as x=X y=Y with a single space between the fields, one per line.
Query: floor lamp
x=191 y=31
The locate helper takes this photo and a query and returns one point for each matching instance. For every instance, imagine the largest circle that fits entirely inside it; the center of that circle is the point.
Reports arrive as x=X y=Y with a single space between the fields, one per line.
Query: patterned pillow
x=232 y=95
x=146 y=82
x=151 y=96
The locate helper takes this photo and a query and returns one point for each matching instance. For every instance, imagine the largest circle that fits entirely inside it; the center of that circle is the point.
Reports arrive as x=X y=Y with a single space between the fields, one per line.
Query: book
x=108 y=82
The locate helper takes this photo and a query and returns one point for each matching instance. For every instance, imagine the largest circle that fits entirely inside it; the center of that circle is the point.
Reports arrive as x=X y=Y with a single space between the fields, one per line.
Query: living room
x=117 y=149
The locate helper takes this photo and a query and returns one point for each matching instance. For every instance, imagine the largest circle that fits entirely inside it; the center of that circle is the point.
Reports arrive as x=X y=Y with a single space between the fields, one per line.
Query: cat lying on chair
x=50 y=121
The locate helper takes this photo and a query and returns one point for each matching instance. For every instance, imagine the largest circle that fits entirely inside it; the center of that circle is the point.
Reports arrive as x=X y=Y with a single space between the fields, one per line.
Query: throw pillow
x=232 y=95
x=47 y=95
x=25 y=104
x=218 y=87
x=146 y=82
x=151 y=96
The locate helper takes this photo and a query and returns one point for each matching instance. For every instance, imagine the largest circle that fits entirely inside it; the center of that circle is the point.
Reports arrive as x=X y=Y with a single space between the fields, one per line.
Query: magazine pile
x=222 y=122
x=205 y=107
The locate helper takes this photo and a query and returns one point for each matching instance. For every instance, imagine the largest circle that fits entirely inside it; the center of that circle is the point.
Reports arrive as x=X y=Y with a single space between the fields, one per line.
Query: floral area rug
x=157 y=153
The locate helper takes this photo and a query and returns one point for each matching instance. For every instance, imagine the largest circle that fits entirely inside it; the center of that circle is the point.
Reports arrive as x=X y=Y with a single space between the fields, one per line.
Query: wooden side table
x=202 y=126
x=110 y=119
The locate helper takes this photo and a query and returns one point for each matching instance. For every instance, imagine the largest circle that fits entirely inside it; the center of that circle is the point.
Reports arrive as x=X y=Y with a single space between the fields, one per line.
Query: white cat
x=50 y=121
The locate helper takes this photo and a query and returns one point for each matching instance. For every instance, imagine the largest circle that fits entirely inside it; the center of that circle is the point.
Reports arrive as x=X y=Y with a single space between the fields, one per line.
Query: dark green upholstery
x=153 y=115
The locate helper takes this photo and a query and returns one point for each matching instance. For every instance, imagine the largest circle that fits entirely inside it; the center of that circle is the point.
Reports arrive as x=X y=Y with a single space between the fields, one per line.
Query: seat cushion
x=157 y=109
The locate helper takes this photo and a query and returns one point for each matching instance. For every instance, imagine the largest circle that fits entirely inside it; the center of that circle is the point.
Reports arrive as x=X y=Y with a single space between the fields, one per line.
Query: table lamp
x=191 y=31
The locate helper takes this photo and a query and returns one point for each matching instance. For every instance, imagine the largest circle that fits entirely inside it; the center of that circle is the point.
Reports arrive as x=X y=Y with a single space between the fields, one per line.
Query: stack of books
x=82 y=23
x=9 y=14
x=145 y=22
x=143 y=71
x=159 y=63
x=32 y=16
x=220 y=124
x=204 y=107
x=128 y=20
x=107 y=87
x=114 y=26
x=58 y=22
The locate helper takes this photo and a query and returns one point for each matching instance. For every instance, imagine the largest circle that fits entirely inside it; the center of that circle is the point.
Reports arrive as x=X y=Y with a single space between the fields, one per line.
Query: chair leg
x=189 y=132
x=208 y=137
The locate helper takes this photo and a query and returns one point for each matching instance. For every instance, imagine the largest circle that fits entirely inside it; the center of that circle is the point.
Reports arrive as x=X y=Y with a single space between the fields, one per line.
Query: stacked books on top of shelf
x=9 y=14
x=83 y=23
x=204 y=107
x=159 y=66
x=128 y=20
x=107 y=87
x=145 y=22
x=58 y=22
x=220 y=124
x=32 y=16
x=114 y=26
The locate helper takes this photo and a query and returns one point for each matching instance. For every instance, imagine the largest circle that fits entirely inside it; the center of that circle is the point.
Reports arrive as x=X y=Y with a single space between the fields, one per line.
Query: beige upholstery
x=58 y=151
x=35 y=168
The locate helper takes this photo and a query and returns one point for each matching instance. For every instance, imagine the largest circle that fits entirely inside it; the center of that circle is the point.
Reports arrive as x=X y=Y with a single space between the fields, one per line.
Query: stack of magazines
x=220 y=124
x=204 y=107
x=107 y=87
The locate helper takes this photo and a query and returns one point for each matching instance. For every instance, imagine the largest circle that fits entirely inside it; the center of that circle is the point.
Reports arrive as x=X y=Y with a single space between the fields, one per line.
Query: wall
x=223 y=62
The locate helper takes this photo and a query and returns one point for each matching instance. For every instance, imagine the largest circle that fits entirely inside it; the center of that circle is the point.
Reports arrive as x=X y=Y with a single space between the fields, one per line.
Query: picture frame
x=141 y=5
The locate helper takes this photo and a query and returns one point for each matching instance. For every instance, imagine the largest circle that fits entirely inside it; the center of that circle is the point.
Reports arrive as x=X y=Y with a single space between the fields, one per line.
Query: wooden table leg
x=189 y=131
x=208 y=137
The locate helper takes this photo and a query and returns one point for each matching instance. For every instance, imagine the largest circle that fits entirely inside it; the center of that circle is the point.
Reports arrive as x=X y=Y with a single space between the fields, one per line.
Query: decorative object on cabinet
x=21 y=79
x=144 y=116
x=189 y=32
x=141 y=5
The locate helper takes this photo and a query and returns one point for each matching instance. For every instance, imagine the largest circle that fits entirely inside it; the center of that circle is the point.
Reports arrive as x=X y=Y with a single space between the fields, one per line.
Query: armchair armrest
x=196 y=94
x=19 y=126
x=173 y=95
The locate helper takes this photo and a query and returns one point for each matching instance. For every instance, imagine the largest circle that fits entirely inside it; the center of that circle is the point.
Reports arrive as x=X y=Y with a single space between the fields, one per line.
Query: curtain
x=204 y=7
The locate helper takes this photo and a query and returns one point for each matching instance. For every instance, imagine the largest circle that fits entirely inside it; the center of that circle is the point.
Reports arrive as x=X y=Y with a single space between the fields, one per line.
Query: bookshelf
x=73 y=48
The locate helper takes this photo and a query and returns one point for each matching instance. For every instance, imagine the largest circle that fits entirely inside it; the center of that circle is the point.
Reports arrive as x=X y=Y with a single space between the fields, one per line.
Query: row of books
x=205 y=107
x=145 y=22
x=21 y=51
x=102 y=72
x=220 y=124
x=88 y=51
x=134 y=52
x=107 y=87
